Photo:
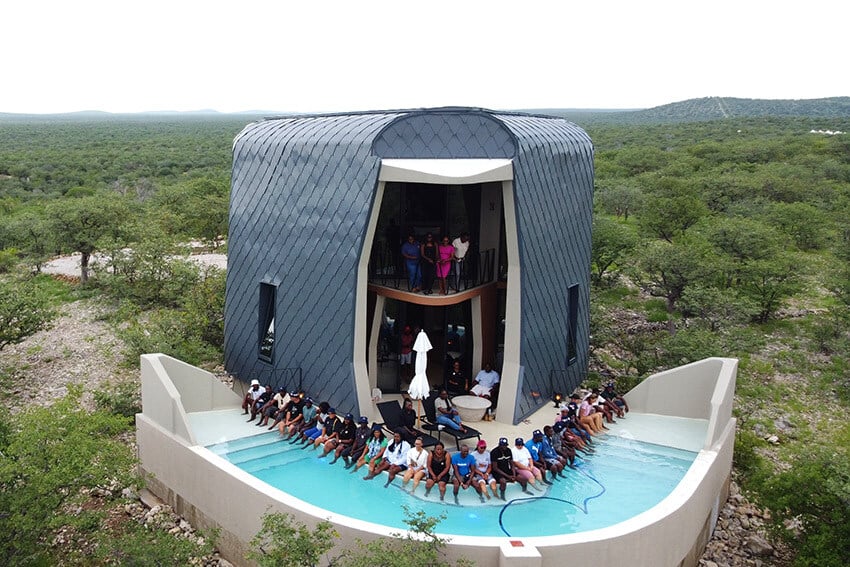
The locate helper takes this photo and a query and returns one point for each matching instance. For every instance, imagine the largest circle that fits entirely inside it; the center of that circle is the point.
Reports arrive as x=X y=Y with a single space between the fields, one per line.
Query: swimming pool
x=623 y=479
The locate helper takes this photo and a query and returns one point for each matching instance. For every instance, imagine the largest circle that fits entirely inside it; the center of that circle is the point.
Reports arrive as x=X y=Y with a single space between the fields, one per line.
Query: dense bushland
x=725 y=238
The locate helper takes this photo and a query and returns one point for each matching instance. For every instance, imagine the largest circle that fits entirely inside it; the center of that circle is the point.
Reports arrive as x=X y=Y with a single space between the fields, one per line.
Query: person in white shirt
x=485 y=381
x=461 y=246
x=524 y=464
x=417 y=465
x=395 y=459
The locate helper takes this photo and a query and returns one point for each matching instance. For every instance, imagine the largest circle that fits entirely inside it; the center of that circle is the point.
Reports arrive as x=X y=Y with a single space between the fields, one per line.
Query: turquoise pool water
x=623 y=479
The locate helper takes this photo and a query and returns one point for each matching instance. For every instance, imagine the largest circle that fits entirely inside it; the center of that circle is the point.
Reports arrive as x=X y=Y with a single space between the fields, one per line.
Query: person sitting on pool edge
x=484 y=470
x=329 y=431
x=446 y=414
x=439 y=470
x=463 y=469
x=503 y=468
x=544 y=455
x=395 y=459
x=309 y=434
x=524 y=464
x=417 y=465
x=272 y=407
x=264 y=397
x=555 y=437
x=344 y=438
x=351 y=453
x=616 y=399
x=254 y=392
x=373 y=454
x=291 y=416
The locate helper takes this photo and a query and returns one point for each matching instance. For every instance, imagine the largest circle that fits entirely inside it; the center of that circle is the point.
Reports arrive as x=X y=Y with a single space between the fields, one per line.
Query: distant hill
x=712 y=108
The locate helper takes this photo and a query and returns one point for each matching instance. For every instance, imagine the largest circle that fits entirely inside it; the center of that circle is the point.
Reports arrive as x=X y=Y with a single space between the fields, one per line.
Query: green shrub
x=285 y=541
x=164 y=331
x=8 y=260
x=121 y=399
x=139 y=546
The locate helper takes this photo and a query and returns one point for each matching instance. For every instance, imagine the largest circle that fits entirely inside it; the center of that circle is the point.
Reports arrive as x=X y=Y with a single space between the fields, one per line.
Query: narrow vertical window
x=572 y=323
x=266 y=319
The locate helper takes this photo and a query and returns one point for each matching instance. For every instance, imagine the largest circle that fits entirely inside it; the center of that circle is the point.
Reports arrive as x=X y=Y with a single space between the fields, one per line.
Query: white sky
x=311 y=56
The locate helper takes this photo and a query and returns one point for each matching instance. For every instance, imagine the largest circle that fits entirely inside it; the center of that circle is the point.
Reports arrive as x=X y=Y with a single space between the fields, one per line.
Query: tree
x=670 y=209
x=612 y=242
x=619 y=200
x=79 y=224
x=666 y=270
x=23 y=312
x=284 y=541
x=769 y=282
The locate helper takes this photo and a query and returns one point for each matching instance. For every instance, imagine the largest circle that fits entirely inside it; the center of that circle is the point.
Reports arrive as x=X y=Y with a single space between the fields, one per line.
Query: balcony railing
x=388 y=268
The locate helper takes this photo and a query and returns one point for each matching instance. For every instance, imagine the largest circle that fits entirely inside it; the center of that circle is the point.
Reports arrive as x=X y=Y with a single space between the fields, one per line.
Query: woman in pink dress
x=445 y=254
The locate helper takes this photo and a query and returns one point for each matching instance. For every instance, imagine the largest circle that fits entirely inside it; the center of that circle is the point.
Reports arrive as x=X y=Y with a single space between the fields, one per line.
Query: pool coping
x=214 y=492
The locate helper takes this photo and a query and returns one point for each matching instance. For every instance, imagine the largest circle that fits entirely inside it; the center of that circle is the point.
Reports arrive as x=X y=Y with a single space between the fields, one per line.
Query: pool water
x=622 y=479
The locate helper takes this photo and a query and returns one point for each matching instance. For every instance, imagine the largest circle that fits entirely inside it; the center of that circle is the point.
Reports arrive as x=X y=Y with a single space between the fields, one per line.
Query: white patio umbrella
x=419 y=388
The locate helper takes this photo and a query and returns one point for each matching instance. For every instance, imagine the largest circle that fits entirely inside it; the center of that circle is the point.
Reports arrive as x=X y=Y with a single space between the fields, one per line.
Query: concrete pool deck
x=689 y=407
x=218 y=426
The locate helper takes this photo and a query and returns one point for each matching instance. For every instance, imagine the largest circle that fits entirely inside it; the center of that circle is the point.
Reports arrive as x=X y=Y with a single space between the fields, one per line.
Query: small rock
x=773 y=440
x=783 y=425
x=710 y=564
x=758 y=546
x=745 y=523
x=175 y=530
x=185 y=526
x=130 y=494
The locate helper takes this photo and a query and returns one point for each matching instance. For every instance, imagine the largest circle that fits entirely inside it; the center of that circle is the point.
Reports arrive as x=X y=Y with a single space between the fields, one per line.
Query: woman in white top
x=417 y=465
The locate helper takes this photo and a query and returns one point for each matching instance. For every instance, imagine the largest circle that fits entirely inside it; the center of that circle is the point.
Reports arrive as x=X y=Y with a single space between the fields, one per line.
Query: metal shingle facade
x=302 y=192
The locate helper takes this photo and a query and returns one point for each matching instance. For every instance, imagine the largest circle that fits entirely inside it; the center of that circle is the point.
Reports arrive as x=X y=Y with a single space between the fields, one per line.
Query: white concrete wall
x=210 y=491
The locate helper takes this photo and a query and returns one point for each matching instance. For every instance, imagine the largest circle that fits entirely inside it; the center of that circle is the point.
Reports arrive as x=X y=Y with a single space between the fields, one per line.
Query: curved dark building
x=318 y=293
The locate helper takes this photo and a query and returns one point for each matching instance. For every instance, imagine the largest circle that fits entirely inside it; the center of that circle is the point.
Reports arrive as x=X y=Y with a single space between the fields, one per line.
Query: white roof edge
x=450 y=171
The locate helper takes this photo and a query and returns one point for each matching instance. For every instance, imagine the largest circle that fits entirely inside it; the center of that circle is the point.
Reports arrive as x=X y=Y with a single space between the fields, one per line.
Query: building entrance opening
x=449 y=328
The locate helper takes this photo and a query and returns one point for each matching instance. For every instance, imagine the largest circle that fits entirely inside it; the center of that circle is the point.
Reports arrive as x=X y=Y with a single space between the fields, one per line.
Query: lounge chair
x=391 y=414
x=430 y=423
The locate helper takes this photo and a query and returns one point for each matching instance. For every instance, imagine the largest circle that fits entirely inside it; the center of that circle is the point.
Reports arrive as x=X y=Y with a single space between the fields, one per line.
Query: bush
x=139 y=546
x=164 y=331
x=123 y=399
x=284 y=541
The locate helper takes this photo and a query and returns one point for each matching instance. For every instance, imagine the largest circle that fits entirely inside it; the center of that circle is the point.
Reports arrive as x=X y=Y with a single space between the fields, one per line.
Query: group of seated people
x=526 y=463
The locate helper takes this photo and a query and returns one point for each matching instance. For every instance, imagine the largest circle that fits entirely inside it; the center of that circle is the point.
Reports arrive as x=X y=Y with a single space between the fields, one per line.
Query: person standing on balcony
x=411 y=252
x=461 y=246
x=428 y=261
x=445 y=253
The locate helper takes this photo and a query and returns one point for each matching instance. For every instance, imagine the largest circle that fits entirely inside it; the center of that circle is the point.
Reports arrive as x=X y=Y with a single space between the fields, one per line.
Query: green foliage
x=24 y=310
x=203 y=307
x=620 y=200
x=123 y=398
x=421 y=547
x=714 y=307
x=612 y=243
x=139 y=546
x=670 y=208
x=814 y=491
x=163 y=330
x=50 y=454
x=148 y=274
x=8 y=259
x=285 y=541
x=769 y=282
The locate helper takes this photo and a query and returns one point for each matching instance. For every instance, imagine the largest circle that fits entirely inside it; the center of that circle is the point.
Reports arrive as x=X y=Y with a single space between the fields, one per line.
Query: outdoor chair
x=391 y=414
x=430 y=423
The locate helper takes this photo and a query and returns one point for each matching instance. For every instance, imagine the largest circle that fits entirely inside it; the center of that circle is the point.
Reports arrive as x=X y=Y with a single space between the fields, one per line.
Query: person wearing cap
x=308 y=418
x=417 y=465
x=344 y=438
x=272 y=407
x=352 y=453
x=484 y=470
x=555 y=437
x=463 y=469
x=544 y=456
x=503 y=469
x=330 y=430
x=291 y=417
x=439 y=470
x=524 y=464
x=605 y=407
x=309 y=434
x=571 y=420
x=254 y=392
x=264 y=397
x=374 y=452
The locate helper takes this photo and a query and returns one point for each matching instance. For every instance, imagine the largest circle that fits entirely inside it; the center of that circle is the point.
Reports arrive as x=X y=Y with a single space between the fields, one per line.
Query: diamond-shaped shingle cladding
x=302 y=195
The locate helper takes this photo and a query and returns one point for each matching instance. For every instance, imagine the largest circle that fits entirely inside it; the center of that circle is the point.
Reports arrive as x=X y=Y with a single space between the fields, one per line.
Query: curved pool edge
x=211 y=492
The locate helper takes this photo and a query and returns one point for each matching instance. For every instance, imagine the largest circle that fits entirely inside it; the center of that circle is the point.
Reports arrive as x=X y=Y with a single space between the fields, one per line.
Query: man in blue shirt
x=537 y=450
x=411 y=253
x=463 y=466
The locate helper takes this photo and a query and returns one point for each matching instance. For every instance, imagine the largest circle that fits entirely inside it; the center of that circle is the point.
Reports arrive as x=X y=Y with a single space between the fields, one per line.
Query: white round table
x=470 y=408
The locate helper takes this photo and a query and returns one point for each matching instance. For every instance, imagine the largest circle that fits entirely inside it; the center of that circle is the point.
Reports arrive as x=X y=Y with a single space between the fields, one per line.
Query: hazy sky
x=309 y=55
